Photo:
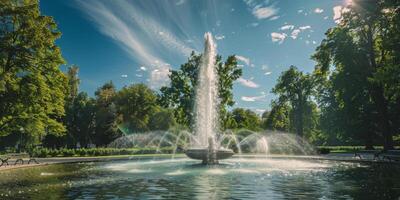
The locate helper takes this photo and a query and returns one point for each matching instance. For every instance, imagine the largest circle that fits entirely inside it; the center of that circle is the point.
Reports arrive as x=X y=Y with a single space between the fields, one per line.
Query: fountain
x=204 y=146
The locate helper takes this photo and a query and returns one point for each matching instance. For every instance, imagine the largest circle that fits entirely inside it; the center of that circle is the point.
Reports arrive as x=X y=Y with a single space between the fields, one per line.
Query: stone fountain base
x=207 y=157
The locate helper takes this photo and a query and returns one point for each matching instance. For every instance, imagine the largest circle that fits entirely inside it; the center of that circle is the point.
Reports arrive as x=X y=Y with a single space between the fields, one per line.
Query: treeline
x=353 y=95
x=351 y=98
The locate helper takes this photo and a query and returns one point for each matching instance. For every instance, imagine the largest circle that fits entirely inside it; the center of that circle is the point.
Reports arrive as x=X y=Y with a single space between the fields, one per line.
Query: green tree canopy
x=295 y=88
x=246 y=119
x=135 y=104
x=31 y=84
x=362 y=89
x=106 y=115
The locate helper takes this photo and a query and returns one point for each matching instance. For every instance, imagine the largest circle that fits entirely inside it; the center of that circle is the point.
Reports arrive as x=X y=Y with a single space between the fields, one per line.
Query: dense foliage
x=31 y=84
x=353 y=95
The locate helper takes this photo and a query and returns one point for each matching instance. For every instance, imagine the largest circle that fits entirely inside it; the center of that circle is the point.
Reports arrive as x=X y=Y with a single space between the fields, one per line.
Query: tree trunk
x=369 y=141
x=384 y=121
x=299 y=123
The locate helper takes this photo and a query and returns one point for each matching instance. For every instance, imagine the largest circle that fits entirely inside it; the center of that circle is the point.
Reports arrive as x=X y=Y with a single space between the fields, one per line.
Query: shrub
x=44 y=152
x=323 y=150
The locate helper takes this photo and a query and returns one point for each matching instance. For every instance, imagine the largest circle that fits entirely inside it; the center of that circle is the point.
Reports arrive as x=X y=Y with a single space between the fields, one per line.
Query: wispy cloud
x=287 y=27
x=295 y=33
x=253 y=98
x=278 y=37
x=304 y=27
x=263 y=10
x=179 y=2
x=243 y=59
x=254 y=24
x=247 y=83
x=219 y=37
x=136 y=33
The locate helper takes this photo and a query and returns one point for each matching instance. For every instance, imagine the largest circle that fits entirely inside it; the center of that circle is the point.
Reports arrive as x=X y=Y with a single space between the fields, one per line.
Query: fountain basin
x=202 y=153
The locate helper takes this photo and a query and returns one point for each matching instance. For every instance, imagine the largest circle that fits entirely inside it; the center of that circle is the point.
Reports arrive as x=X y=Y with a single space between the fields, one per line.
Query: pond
x=181 y=178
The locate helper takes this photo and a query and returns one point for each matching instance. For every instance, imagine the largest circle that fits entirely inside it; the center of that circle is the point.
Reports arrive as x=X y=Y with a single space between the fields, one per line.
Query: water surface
x=236 y=178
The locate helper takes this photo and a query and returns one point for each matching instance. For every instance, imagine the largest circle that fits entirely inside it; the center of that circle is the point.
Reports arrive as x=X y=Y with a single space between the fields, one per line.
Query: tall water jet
x=205 y=110
x=204 y=146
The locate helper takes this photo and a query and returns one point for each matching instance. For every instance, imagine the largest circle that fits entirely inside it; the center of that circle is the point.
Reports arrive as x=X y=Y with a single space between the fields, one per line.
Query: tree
x=247 y=119
x=31 y=84
x=180 y=95
x=278 y=118
x=81 y=120
x=295 y=88
x=73 y=84
x=162 y=120
x=135 y=105
x=106 y=115
x=366 y=61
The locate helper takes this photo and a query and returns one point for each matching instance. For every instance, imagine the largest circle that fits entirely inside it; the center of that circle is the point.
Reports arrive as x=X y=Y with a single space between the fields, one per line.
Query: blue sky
x=139 y=41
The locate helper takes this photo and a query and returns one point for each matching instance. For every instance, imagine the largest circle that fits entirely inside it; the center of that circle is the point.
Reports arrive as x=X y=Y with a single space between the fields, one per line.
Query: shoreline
x=341 y=157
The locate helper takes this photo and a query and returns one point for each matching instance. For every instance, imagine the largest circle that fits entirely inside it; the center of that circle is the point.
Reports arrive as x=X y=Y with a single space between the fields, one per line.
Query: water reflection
x=238 y=178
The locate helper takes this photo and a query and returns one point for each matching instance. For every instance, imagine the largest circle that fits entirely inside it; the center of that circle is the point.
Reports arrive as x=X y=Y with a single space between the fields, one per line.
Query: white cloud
x=266 y=70
x=278 y=37
x=143 y=68
x=124 y=76
x=219 y=37
x=259 y=111
x=287 y=27
x=264 y=12
x=254 y=24
x=274 y=18
x=299 y=11
x=326 y=17
x=314 y=42
x=159 y=75
x=295 y=33
x=180 y=2
x=264 y=67
x=243 y=59
x=304 y=27
x=247 y=83
x=319 y=10
x=253 y=98
x=337 y=13
x=138 y=75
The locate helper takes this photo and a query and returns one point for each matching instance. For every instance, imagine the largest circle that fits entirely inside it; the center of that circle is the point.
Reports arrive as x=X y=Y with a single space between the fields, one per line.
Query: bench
x=358 y=153
x=4 y=160
x=389 y=155
x=19 y=158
